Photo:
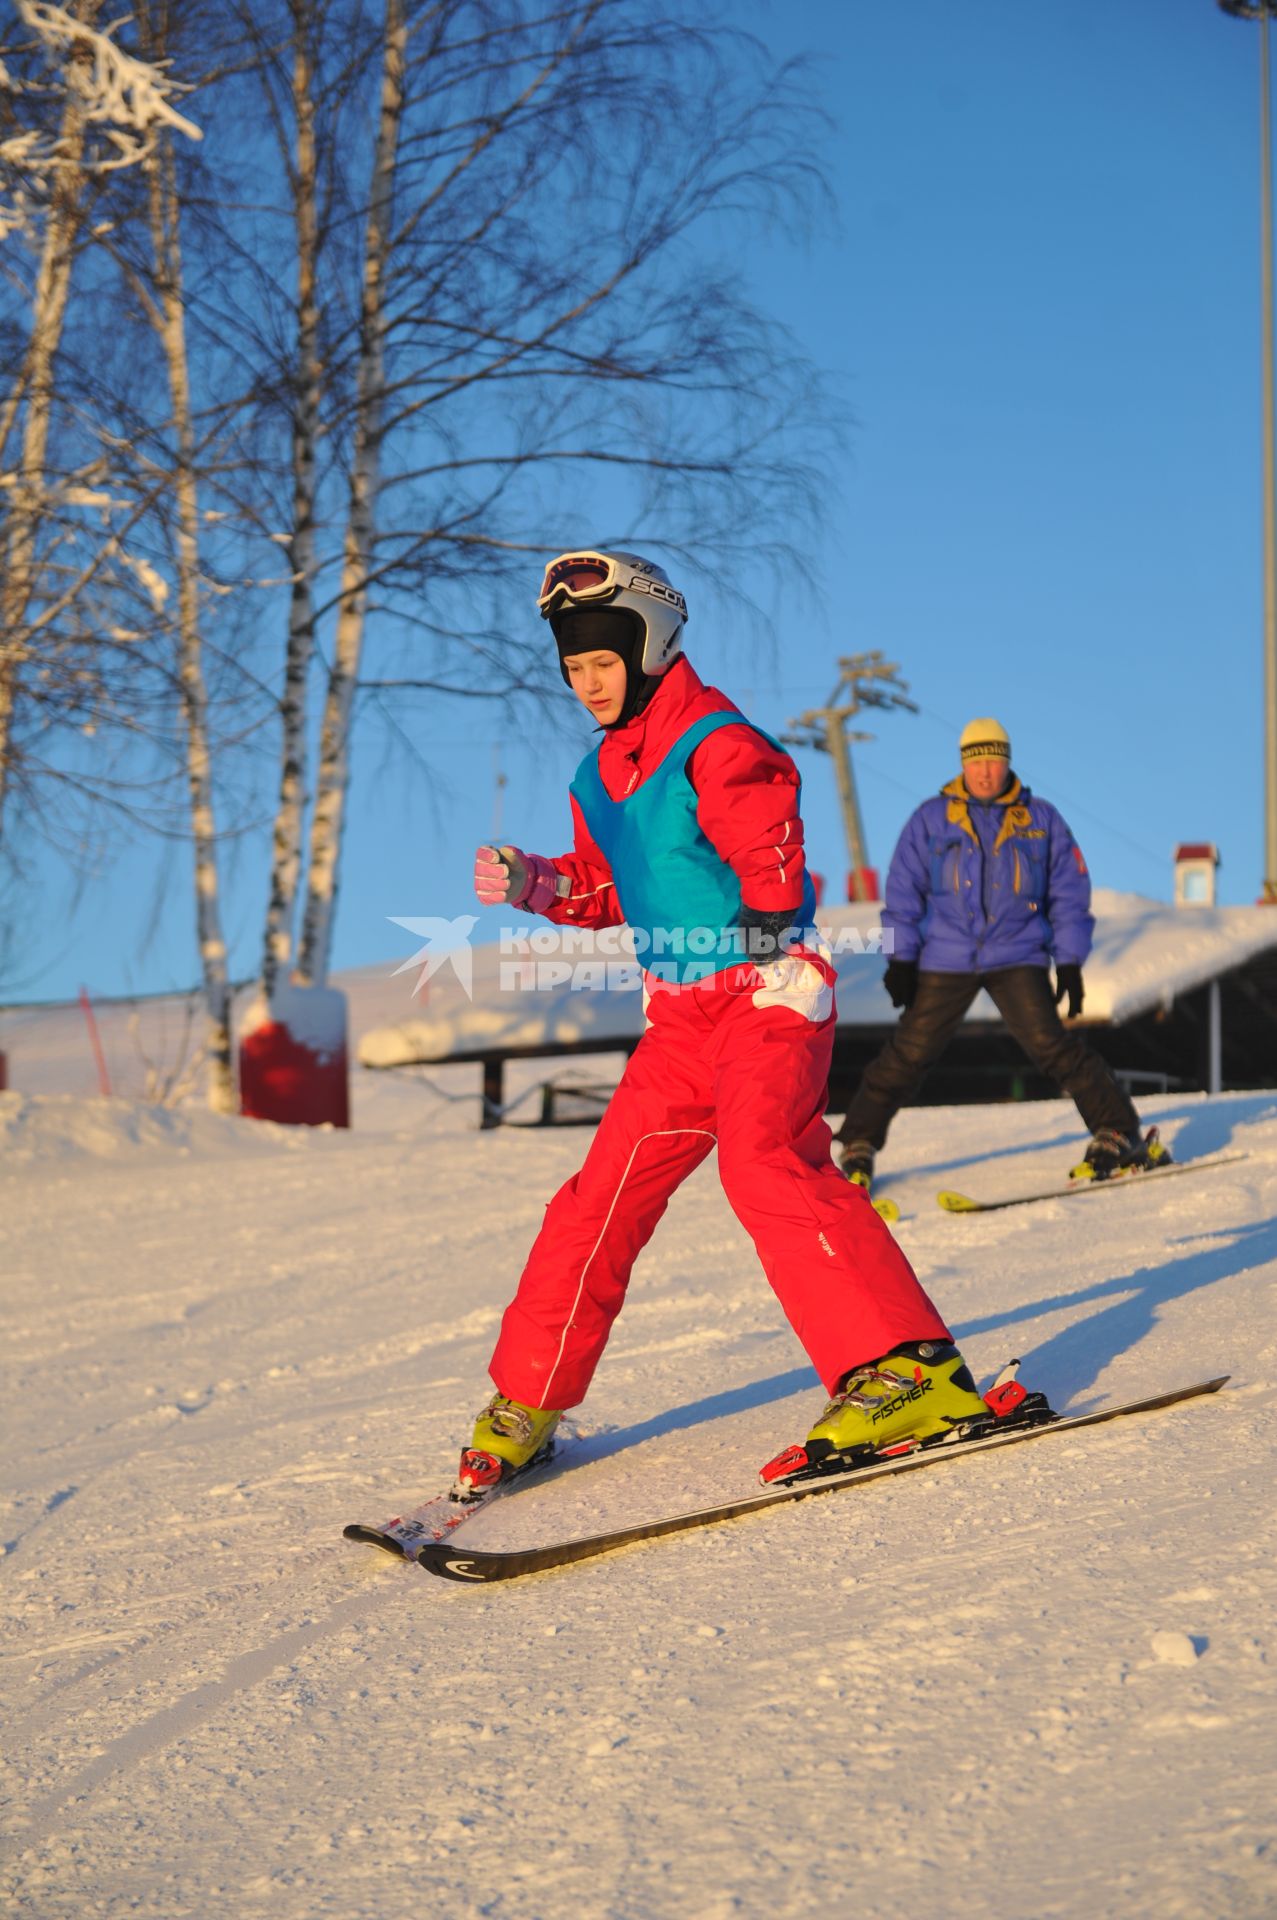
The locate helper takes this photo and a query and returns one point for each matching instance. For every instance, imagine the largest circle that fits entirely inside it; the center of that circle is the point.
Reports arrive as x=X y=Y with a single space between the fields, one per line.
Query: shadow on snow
x=1072 y=1360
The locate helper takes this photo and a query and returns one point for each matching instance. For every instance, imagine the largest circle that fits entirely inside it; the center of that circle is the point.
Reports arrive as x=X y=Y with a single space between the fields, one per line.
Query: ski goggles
x=576 y=579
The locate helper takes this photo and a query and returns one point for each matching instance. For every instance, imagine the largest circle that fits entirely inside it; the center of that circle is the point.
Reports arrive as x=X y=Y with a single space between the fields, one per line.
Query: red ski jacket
x=747 y=802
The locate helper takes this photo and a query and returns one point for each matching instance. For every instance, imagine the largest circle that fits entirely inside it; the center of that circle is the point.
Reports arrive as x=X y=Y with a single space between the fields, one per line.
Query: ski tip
x=886 y=1210
x=373 y=1537
x=957 y=1202
x=453 y=1563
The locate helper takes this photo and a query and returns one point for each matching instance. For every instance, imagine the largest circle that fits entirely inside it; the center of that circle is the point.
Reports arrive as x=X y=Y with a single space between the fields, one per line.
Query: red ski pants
x=714 y=1065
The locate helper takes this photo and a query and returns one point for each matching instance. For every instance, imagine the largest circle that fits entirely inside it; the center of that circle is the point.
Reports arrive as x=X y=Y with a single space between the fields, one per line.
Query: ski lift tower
x=866 y=680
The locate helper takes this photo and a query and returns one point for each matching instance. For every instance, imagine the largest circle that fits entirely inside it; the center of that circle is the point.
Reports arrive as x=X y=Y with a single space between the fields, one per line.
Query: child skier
x=687 y=827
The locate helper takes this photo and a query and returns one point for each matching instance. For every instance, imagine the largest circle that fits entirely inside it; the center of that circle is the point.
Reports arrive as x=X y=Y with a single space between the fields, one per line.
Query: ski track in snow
x=1037 y=1681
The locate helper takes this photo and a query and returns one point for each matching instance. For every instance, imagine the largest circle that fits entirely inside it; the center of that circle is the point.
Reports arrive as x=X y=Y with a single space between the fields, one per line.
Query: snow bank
x=57 y=1127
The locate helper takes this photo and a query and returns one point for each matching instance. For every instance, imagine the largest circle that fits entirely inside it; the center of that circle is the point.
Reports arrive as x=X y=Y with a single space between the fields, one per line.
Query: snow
x=1037 y=1681
x=1176 y=1649
x=316 y=1017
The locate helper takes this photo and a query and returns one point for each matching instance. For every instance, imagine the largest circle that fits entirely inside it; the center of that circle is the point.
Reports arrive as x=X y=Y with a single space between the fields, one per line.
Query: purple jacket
x=975 y=885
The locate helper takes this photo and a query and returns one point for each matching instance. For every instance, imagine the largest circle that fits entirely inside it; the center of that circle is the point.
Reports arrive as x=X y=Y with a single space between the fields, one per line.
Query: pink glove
x=505 y=877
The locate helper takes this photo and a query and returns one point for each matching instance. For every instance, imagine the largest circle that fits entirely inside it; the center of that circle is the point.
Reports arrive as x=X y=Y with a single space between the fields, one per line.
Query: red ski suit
x=725 y=1061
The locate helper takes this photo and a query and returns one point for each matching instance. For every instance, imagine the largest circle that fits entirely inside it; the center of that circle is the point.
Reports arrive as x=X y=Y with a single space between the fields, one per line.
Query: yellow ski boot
x=920 y=1395
x=508 y=1438
x=921 y=1392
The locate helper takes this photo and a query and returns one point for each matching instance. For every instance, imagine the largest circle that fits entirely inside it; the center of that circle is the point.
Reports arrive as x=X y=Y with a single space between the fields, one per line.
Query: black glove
x=1068 y=979
x=765 y=933
x=901 y=981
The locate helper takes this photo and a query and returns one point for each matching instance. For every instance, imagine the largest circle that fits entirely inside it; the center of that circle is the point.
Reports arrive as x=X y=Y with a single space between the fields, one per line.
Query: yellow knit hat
x=984 y=740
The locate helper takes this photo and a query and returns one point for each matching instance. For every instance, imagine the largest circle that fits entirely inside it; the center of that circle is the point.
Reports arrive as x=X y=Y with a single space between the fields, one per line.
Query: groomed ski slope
x=1038 y=1683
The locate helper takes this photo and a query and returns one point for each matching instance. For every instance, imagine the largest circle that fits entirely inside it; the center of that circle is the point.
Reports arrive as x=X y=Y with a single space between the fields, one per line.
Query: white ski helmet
x=590 y=578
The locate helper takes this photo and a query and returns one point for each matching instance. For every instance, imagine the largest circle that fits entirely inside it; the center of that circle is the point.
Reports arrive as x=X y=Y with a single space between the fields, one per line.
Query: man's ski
x=963 y=1203
x=437 y=1519
x=452 y=1563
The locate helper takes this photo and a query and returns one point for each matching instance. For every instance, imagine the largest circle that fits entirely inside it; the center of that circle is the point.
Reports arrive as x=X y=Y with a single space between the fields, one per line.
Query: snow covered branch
x=129 y=100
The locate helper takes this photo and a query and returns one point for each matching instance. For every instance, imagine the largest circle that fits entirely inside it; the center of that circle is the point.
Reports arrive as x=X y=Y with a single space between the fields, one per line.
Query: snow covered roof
x=1146 y=954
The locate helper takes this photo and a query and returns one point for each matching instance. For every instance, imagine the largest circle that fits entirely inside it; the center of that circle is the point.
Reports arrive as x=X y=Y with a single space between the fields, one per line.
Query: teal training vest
x=681 y=901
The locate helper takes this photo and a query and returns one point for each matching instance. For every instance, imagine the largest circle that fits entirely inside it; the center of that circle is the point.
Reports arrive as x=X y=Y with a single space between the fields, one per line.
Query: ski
x=442 y=1558
x=438 y=1518
x=963 y=1203
x=886 y=1210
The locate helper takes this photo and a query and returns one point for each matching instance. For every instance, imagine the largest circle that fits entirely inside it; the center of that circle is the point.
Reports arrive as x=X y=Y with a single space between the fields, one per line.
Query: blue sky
x=1040 y=304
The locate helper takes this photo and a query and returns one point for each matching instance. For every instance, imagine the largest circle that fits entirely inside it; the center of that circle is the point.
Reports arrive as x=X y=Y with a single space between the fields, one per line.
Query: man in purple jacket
x=987 y=887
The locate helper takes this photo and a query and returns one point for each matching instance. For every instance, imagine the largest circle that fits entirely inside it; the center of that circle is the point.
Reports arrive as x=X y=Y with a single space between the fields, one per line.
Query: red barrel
x=293 y=1063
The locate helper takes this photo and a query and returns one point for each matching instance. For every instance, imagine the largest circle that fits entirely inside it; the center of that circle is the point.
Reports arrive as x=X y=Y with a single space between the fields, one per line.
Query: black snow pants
x=1022 y=996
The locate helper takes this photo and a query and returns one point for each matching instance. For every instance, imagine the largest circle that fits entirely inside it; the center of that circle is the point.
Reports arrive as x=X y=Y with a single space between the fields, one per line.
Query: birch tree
x=311 y=59
x=165 y=307
x=286 y=843
x=357 y=560
x=77 y=110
